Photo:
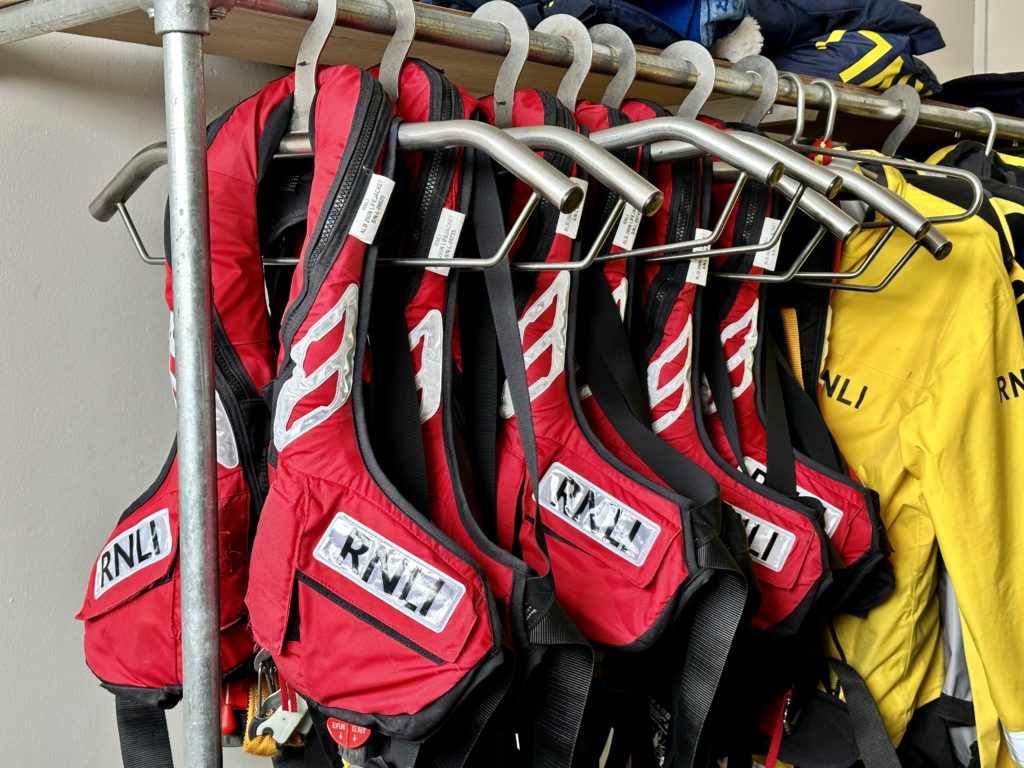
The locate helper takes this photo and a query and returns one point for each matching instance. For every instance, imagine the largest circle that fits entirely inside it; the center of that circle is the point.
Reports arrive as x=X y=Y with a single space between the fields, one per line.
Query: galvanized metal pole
x=181 y=25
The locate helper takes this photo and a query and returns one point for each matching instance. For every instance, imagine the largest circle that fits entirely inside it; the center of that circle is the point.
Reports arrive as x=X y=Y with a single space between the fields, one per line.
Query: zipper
x=241 y=388
x=441 y=162
x=366 y=618
x=684 y=194
x=348 y=188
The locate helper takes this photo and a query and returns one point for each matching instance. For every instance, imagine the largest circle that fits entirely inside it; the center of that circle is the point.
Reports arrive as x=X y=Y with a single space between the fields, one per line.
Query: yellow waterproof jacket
x=923 y=389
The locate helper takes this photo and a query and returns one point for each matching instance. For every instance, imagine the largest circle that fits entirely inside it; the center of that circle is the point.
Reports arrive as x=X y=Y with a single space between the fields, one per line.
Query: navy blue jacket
x=786 y=24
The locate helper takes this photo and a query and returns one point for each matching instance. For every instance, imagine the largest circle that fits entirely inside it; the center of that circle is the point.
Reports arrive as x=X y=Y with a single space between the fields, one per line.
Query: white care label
x=446 y=238
x=697 y=271
x=629 y=225
x=569 y=223
x=768 y=258
x=371 y=210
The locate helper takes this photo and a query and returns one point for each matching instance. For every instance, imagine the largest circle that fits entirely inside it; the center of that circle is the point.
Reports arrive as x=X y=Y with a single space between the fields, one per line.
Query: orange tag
x=347 y=735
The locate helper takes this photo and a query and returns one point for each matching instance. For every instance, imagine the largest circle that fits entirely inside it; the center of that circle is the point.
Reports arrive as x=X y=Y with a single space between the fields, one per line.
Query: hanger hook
x=518 y=31
x=990 y=142
x=801 y=105
x=699 y=58
x=398 y=48
x=833 y=108
x=622 y=46
x=768 y=74
x=572 y=29
x=911 y=100
x=310 y=48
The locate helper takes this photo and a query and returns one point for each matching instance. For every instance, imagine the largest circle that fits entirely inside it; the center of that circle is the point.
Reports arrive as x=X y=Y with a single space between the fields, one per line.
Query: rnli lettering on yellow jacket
x=923 y=388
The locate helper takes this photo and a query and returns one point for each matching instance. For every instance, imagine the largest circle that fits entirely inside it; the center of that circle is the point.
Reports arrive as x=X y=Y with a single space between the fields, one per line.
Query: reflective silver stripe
x=769 y=544
x=144 y=544
x=600 y=516
x=388 y=572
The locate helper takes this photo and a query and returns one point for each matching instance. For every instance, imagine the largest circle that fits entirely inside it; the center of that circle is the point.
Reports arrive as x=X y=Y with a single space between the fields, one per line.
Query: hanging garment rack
x=180 y=26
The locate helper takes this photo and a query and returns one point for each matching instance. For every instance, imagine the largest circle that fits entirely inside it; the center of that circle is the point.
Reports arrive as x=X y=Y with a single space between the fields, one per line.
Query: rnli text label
x=603 y=518
x=388 y=572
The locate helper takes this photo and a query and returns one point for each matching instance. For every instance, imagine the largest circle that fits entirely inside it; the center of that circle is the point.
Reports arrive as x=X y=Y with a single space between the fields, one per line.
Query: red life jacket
x=415 y=394
x=786 y=542
x=850 y=511
x=131 y=610
x=369 y=610
x=624 y=550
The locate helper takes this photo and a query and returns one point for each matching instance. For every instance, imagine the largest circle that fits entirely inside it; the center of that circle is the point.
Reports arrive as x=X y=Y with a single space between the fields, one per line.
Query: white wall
x=85 y=407
x=1004 y=53
x=955 y=19
x=85 y=410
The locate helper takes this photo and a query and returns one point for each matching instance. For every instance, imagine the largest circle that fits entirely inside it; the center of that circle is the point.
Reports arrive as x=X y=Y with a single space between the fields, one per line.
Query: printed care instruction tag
x=767 y=259
x=569 y=223
x=371 y=210
x=446 y=238
x=697 y=271
x=629 y=225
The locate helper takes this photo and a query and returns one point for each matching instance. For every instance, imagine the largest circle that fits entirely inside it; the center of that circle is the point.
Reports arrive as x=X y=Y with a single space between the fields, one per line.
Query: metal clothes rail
x=437 y=25
x=181 y=25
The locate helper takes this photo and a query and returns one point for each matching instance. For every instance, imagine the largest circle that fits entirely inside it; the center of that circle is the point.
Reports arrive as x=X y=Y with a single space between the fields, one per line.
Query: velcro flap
x=626 y=526
x=371 y=559
x=139 y=554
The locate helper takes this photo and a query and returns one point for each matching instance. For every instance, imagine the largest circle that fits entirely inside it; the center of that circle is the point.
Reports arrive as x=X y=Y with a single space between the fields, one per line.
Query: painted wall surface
x=955 y=19
x=1005 y=52
x=85 y=407
x=86 y=411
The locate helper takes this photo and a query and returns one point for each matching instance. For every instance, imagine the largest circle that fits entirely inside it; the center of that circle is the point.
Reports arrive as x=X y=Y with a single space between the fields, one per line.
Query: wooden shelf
x=274 y=40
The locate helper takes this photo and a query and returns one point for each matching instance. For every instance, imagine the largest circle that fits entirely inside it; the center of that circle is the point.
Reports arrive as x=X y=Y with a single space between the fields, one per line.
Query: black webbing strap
x=715 y=367
x=452 y=746
x=806 y=421
x=781 y=461
x=394 y=405
x=289 y=757
x=876 y=749
x=142 y=731
x=604 y=357
x=567 y=667
x=720 y=606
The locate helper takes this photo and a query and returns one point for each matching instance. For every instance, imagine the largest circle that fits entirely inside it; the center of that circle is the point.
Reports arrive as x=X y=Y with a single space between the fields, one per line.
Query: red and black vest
x=424 y=362
x=369 y=610
x=132 y=606
x=623 y=549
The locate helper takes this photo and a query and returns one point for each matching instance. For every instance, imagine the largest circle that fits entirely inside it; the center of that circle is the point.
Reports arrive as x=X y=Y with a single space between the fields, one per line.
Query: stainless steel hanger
x=625 y=55
x=543 y=178
x=611 y=172
x=518 y=33
x=802 y=169
x=768 y=74
x=911 y=100
x=911 y=222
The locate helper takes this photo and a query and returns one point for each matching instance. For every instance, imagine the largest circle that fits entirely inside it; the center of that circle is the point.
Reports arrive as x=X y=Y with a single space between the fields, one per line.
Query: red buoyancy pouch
x=623 y=549
x=414 y=364
x=755 y=372
x=615 y=406
x=785 y=542
x=132 y=606
x=623 y=579
x=370 y=612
